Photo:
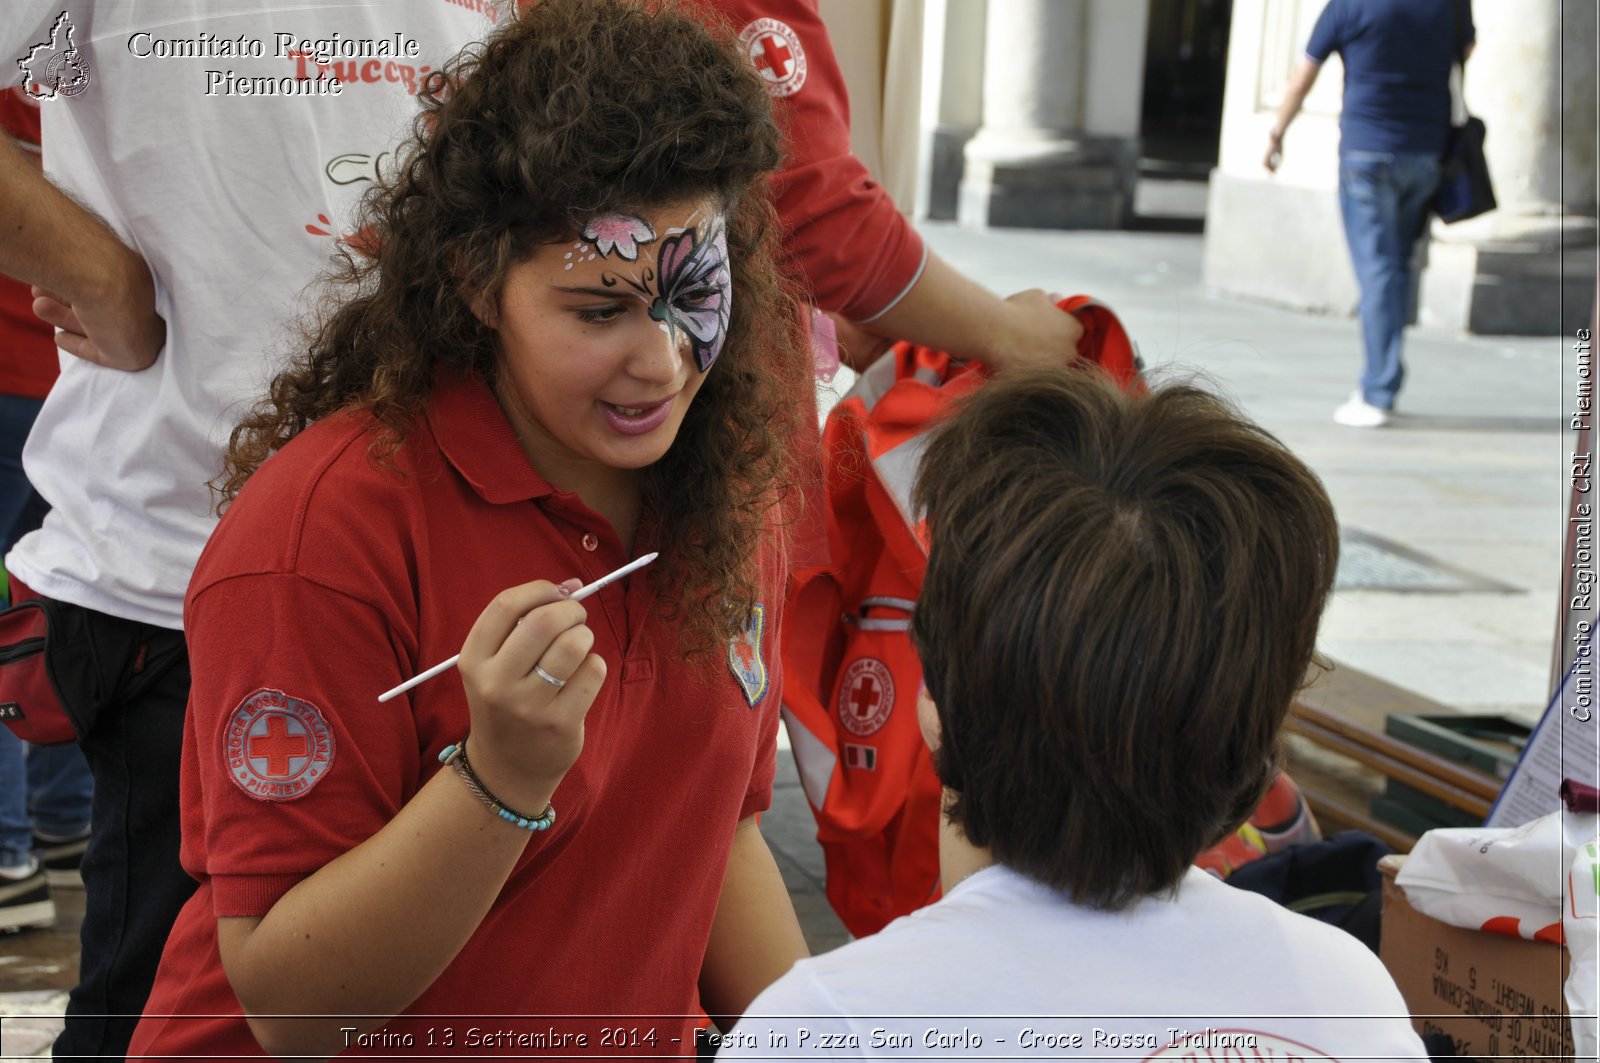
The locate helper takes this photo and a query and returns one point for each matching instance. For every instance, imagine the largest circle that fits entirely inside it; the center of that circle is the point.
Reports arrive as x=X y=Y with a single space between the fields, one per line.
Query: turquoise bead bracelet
x=457 y=754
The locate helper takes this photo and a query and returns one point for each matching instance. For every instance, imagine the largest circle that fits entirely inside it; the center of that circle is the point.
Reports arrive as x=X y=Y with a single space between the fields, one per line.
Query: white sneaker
x=1357 y=412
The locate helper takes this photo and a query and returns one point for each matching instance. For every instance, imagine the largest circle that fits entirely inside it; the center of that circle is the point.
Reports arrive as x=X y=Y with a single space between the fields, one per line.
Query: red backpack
x=850 y=675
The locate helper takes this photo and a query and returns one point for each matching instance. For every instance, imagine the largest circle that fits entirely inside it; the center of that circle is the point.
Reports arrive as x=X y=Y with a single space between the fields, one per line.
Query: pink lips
x=637 y=420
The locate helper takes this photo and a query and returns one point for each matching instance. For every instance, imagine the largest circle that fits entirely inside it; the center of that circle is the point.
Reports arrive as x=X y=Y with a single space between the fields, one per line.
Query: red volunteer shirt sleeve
x=294 y=759
x=857 y=253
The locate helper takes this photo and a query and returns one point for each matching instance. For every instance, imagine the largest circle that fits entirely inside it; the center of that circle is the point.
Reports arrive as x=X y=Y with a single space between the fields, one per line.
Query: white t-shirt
x=153 y=117
x=1006 y=967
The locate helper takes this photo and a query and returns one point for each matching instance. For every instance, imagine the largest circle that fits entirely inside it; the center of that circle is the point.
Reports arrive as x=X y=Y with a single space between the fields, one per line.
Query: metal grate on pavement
x=1371 y=562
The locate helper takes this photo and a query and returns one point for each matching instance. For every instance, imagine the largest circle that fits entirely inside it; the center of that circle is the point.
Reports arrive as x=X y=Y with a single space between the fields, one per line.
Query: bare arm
x=947 y=311
x=755 y=937
x=370 y=931
x=363 y=936
x=1294 y=97
x=89 y=282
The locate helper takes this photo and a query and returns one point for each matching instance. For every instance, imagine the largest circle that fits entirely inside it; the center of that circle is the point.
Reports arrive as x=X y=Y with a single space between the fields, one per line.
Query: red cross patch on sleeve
x=775 y=50
x=277 y=747
x=866 y=696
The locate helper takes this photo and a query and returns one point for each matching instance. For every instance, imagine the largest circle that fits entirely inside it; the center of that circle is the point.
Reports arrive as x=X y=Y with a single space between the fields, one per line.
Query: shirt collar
x=475 y=437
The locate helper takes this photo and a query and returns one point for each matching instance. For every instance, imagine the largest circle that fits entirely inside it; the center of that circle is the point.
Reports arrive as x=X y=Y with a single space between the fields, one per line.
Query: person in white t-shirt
x=1122 y=597
x=204 y=158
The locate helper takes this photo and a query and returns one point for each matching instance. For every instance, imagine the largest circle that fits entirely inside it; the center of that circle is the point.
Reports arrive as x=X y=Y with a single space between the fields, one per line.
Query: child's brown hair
x=1121 y=600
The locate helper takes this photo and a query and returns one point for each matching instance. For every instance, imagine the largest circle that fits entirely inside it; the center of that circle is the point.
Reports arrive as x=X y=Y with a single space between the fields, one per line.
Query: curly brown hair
x=576 y=108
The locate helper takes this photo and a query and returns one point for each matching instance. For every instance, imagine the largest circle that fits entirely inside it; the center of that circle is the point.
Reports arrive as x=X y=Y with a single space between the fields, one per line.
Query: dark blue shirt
x=1397 y=56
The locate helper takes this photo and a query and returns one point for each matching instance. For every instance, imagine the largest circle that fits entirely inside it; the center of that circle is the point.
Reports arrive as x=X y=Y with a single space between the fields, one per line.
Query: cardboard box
x=1494 y=995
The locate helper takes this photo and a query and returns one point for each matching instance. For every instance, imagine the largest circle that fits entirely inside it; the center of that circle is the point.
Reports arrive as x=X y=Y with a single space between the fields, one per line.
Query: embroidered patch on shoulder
x=277 y=746
x=744 y=657
x=775 y=50
x=866 y=696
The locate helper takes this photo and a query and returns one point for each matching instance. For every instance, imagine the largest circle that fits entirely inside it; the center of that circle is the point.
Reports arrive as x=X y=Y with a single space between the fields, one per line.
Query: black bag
x=1465 y=190
x=1335 y=880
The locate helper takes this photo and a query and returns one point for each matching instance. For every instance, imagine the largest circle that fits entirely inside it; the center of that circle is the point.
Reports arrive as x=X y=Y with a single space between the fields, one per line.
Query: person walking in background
x=44 y=790
x=1393 y=127
x=181 y=218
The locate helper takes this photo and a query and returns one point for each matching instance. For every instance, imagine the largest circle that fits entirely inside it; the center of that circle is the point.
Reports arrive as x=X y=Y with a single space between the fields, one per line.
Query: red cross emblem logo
x=774 y=49
x=866 y=696
x=277 y=747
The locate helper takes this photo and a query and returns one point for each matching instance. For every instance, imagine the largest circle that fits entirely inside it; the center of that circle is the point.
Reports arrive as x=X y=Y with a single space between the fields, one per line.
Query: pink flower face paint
x=621 y=233
x=690 y=288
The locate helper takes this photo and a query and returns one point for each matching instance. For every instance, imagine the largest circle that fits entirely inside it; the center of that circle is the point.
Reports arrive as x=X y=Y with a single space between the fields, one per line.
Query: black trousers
x=133 y=884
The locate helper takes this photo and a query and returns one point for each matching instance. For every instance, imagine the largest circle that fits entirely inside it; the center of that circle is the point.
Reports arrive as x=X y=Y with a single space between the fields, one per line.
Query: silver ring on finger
x=548 y=678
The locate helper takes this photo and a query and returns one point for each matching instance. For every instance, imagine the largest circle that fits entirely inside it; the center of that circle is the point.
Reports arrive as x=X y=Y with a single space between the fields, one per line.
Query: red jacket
x=849 y=698
x=852 y=678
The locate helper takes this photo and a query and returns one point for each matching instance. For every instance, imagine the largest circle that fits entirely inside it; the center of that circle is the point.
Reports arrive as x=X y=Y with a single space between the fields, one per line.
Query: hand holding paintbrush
x=577 y=596
x=530 y=679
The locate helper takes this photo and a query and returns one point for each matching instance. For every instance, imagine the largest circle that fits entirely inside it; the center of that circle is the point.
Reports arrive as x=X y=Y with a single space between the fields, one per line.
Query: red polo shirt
x=334 y=577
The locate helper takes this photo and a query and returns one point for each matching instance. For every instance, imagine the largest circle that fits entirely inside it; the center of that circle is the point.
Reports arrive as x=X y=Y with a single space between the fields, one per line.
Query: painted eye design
x=696 y=290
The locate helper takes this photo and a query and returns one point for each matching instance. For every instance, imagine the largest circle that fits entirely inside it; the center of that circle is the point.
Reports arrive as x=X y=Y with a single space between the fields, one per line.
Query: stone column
x=856 y=30
x=1033 y=162
x=1528 y=266
x=957 y=81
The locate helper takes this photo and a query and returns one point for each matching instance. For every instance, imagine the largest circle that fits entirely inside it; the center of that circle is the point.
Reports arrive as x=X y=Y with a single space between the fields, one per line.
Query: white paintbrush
x=577 y=596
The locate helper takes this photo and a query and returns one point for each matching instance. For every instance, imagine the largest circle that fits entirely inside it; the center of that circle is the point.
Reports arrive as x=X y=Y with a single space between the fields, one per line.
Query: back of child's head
x=1121 y=600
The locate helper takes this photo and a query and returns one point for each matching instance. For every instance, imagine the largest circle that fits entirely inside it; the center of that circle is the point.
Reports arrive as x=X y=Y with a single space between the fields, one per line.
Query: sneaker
x=1357 y=412
x=61 y=857
x=25 y=898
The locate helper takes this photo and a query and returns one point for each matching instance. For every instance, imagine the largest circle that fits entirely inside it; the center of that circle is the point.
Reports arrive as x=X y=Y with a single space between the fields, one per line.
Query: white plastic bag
x=1583 y=947
x=1510 y=881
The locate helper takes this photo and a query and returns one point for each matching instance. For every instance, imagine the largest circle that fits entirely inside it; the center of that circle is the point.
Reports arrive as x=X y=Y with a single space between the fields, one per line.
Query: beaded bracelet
x=457 y=755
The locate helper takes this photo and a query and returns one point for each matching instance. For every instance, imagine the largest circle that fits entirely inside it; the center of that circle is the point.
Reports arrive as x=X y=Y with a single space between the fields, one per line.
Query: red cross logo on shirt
x=277 y=747
x=772 y=56
x=776 y=53
x=866 y=696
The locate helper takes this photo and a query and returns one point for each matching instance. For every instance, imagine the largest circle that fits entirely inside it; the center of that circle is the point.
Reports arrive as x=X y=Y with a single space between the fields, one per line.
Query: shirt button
x=590 y=543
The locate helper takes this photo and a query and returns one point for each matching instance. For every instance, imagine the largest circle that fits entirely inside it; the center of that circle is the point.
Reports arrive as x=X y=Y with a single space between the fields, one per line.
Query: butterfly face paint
x=696 y=290
x=690 y=289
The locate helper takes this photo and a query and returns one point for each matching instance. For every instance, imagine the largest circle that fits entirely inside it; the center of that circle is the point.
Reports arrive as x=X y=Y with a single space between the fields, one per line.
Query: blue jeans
x=45 y=789
x=1383 y=197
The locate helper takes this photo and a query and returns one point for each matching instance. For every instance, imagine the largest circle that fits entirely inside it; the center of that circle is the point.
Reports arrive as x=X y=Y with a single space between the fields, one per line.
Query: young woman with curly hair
x=568 y=347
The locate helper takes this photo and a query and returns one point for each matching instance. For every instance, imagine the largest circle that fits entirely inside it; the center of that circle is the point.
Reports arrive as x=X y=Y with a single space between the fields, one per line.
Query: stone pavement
x=1473 y=478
